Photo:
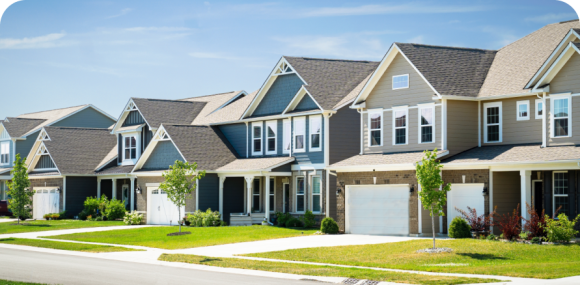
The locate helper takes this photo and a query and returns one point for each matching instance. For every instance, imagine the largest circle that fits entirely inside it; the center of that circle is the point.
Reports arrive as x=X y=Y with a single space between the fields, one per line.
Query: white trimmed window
x=492 y=122
x=287 y=136
x=400 y=81
x=427 y=124
x=129 y=147
x=272 y=195
x=299 y=134
x=257 y=138
x=376 y=128
x=539 y=109
x=300 y=201
x=256 y=196
x=271 y=137
x=4 y=152
x=315 y=133
x=400 y=125
x=560 y=189
x=523 y=110
x=561 y=116
x=316 y=195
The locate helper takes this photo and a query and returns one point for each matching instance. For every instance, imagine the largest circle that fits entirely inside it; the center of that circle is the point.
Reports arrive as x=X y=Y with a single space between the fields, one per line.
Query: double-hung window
x=287 y=140
x=4 y=152
x=492 y=121
x=561 y=191
x=539 y=109
x=427 y=124
x=256 y=196
x=523 y=110
x=299 y=134
x=300 y=194
x=257 y=138
x=560 y=106
x=400 y=124
x=272 y=196
x=316 y=195
x=271 y=137
x=400 y=81
x=315 y=133
x=130 y=147
x=376 y=128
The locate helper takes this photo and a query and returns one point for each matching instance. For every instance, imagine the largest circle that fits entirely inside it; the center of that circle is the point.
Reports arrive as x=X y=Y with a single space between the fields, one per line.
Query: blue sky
x=58 y=53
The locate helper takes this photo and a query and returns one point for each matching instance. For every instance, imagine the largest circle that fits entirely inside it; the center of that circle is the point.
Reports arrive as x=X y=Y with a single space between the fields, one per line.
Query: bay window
x=299 y=134
x=400 y=124
x=315 y=132
x=316 y=195
x=257 y=138
x=300 y=194
x=561 y=112
x=376 y=128
x=426 y=124
x=493 y=126
x=271 y=134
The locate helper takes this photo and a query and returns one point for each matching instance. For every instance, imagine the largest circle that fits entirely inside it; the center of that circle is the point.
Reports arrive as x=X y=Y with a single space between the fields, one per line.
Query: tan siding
x=426 y=222
x=575 y=139
x=514 y=131
x=506 y=192
x=567 y=80
x=461 y=125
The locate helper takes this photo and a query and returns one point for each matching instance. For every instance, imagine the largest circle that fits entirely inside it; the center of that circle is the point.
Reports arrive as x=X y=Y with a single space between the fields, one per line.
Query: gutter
x=495 y=97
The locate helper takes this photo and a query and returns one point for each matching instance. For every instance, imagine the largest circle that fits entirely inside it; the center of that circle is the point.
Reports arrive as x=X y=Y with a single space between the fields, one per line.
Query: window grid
x=376 y=128
x=493 y=124
x=130 y=147
x=4 y=153
x=315 y=131
x=400 y=127
x=561 y=192
x=256 y=196
x=316 y=195
x=426 y=121
x=300 y=194
x=401 y=81
x=272 y=196
x=257 y=139
x=561 y=117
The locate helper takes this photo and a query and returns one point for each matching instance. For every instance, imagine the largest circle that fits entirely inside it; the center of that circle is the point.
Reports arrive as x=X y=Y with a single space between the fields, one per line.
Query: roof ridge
x=54 y=109
x=211 y=95
x=329 y=59
x=530 y=34
x=26 y=118
x=449 y=47
x=166 y=100
x=563 y=22
x=76 y=128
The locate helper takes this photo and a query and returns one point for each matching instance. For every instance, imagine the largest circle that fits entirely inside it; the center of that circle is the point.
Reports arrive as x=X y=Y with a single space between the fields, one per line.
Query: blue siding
x=164 y=155
x=10 y=155
x=208 y=192
x=236 y=135
x=133 y=118
x=23 y=147
x=44 y=162
x=87 y=118
x=279 y=95
x=306 y=104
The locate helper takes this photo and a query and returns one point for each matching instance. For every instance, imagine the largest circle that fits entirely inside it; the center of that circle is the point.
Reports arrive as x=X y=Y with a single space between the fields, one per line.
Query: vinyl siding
x=575 y=138
x=344 y=134
x=279 y=95
x=24 y=147
x=87 y=118
x=44 y=162
x=306 y=104
x=567 y=79
x=461 y=126
x=208 y=192
x=133 y=118
x=164 y=155
x=77 y=191
x=236 y=135
x=506 y=192
x=514 y=131
x=309 y=157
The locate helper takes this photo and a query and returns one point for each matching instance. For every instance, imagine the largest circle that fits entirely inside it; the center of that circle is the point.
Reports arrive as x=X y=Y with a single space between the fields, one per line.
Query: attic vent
x=43 y=136
x=42 y=150
x=283 y=68
x=131 y=107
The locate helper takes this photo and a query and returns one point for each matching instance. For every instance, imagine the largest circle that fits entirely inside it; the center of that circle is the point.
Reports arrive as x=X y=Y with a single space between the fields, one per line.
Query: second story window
x=130 y=148
x=492 y=122
x=271 y=132
x=4 y=152
x=401 y=81
x=427 y=124
x=523 y=110
x=376 y=128
x=287 y=140
x=560 y=116
x=539 y=109
x=299 y=133
x=257 y=138
x=400 y=125
x=315 y=132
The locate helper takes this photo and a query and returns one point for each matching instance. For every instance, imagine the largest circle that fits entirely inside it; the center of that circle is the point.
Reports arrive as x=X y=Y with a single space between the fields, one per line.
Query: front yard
x=43 y=225
x=469 y=256
x=65 y=245
x=205 y=236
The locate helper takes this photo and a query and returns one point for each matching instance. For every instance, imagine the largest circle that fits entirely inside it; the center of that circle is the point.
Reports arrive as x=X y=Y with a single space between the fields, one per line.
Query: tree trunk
x=433 y=225
x=179 y=221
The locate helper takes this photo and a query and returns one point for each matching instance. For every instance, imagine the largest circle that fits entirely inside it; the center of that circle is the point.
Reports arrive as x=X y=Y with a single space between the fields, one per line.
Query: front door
x=537 y=187
x=286 y=197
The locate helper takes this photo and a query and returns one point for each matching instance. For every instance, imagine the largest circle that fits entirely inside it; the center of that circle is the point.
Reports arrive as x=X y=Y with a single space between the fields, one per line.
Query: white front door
x=377 y=209
x=160 y=210
x=45 y=201
x=462 y=196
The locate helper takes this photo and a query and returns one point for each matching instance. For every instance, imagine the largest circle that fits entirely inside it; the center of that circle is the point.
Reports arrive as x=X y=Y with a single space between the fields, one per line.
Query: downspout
x=544 y=115
x=291 y=135
x=478 y=123
x=361 y=130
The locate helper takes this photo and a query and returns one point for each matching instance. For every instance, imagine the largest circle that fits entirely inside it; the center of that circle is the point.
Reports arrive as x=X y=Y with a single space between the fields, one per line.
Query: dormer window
x=130 y=148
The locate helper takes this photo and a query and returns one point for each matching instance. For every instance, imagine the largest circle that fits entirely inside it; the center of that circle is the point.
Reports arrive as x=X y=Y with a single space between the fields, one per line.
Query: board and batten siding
x=133 y=118
x=163 y=155
x=575 y=138
x=279 y=95
x=344 y=134
x=567 y=80
x=44 y=162
x=87 y=118
x=461 y=126
x=236 y=135
x=208 y=192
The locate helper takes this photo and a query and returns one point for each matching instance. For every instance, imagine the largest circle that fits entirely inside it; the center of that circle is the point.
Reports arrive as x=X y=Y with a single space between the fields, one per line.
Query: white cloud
x=416 y=40
x=552 y=17
x=122 y=13
x=46 y=41
x=414 y=8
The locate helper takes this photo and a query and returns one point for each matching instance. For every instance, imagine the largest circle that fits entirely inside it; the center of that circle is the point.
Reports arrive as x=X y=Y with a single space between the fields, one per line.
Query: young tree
x=428 y=173
x=20 y=198
x=180 y=182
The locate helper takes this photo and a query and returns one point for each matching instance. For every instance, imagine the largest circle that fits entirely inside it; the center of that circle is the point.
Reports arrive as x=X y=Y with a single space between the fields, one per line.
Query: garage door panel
x=463 y=195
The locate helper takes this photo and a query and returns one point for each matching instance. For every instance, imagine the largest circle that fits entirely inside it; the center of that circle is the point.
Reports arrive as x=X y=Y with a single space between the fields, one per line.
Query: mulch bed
x=178 y=234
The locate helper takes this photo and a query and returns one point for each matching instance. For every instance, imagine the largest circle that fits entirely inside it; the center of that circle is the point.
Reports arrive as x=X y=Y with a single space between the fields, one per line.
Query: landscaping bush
x=47 y=216
x=282 y=218
x=477 y=223
x=95 y=206
x=560 y=230
x=83 y=215
x=55 y=216
x=535 y=226
x=328 y=226
x=132 y=218
x=491 y=237
x=293 y=223
x=186 y=221
x=308 y=219
x=524 y=236
x=536 y=240
x=459 y=228
x=510 y=224
x=62 y=215
x=115 y=209
x=204 y=219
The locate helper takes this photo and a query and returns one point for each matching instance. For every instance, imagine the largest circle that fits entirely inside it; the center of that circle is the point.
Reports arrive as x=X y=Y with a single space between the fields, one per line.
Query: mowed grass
x=43 y=225
x=206 y=236
x=65 y=245
x=316 y=270
x=468 y=256
x=8 y=282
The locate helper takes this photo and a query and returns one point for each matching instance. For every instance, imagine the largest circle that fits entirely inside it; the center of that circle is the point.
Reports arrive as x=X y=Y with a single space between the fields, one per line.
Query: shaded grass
x=206 y=236
x=317 y=270
x=43 y=225
x=65 y=245
x=469 y=256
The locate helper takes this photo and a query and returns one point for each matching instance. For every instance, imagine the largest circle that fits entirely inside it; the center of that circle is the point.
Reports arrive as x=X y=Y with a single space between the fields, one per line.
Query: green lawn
x=8 y=282
x=43 y=225
x=207 y=236
x=315 y=270
x=65 y=245
x=468 y=256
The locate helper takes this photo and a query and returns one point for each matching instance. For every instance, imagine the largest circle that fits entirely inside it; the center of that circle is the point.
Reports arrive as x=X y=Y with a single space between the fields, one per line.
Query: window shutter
x=119 y=148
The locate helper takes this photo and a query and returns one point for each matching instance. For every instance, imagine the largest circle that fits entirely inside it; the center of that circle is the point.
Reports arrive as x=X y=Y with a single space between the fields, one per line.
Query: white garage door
x=377 y=209
x=463 y=195
x=160 y=210
x=45 y=201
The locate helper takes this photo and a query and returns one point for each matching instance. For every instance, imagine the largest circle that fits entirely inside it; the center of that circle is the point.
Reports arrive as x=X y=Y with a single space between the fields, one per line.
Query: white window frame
x=523 y=118
x=296 y=194
x=538 y=103
x=259 y=195
x=254 y=138
x=395 y=110
x=274 y=126
x=553 y=98
x=272 y=193
x=369 y=114
x=485 y=107
x=399 y=76
x=432 y=125
x=554 y=195
x=312 y=120
x=5 y=145
x=287 y=136
x=312 y=194
x=302 y=121
x=131 y=161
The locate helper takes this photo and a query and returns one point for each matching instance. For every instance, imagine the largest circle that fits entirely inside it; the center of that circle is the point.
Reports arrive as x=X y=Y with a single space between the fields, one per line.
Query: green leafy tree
x=180 y=183
x=428 y=173
x=20 y=199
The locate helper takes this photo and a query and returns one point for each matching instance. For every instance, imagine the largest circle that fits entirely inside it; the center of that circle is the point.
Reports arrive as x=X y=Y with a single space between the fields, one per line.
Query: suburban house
x=501 y=122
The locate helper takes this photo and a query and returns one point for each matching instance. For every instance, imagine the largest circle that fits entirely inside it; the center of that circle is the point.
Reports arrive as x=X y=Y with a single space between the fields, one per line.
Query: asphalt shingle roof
x=17 y=127
x=262 y=163
x=382 y=159
x=515 y=153
x=209 y=114
x=118 y=169
x=50 y=116
x=157 y=112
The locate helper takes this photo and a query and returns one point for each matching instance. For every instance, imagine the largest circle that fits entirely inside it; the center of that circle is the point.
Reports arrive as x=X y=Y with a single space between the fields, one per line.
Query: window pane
x=540 y=107
x=272 y=187
x=427 y=134
x=560 y=127
x=561 y=108
x=493 y=133
x=257 y=132
x=127 y=153
x=376 y=138
x=256 y=188
x=287 y=135
x=523 y=110
x=563 y=202
x=271 y=203
x=560 y=183
x=299 y=142
x=375 y=121
x=133 y=142
x=133 y=153
x=300 y=186
x=427 y=116
x=400 y=81
x=316 y=203
x=400 y=136
x=493 y=115
x=271 y=144
x=315 y=185
x=255 y=203
x=271 y=133
x=400 y=119
x=300 y=203
x=257 y=145
x=315 y=140
x=315 y=128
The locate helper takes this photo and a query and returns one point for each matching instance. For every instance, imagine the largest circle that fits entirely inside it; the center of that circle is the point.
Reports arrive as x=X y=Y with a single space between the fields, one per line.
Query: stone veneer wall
x=51 y=182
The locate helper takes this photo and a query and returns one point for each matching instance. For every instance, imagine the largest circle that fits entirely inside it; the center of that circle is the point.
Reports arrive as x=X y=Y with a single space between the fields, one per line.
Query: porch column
x=98 y=187
x=526 y=191
x=221 y=205
x=267 y=210
x=249 y=182
x=132 y=206
x=114 y=181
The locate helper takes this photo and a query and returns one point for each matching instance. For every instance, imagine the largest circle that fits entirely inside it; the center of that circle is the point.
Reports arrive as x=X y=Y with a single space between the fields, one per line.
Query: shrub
x=524 y=235
x=491 y=237
x=459 y=228
x=510 y=224
x=132 y=218
x=535 y=226
x=328 y=226
x=560 y=230
x=308 y=219
x=83 y=215
x=99 y=218
x=204 y=219
x=47 y=216
x=186 y=221
x=536 y=240
x=115 y=210
x=62 y=214
x=95 y=206
x=293 y=223
x=477 y=223
x=55 y=216
x=282 y=218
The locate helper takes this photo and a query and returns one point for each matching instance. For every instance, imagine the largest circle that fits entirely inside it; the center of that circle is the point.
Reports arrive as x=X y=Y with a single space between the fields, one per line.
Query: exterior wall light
x=138 y=190
x=484 y=191
x=412 y=189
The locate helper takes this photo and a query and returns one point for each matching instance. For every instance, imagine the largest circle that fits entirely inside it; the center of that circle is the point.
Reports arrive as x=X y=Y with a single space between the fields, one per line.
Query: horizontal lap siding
x=575 y=139
x=514 y=131
x=236 y=135
x=567 y=79
x=461 y=126
x=87 y=118
x=23 y=147
x=208 y=192
x=77 y=191
x=279 y=95
x=306 y=104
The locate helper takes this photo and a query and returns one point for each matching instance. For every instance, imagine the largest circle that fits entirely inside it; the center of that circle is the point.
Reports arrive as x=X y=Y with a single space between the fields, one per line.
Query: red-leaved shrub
x=535 y=226
x=510 y=225
x=477 y=223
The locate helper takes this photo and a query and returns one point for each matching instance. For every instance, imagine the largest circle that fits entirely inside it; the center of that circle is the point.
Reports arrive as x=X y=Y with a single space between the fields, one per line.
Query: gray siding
x=87 y=118
x=279 y=95
x=567 y=79
x=461 y=126
x=284 y=168
x=208 y=192
x=306 y=104
x=23 y=147
x=514 y=131
x=77 y=191
x=344 y=134
x=164 y=155
x=133 y=118
x=236 y=135
x=44 y=162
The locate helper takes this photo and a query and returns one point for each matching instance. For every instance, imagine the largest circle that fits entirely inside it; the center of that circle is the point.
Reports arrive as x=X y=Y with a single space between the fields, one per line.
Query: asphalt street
x=30 y=266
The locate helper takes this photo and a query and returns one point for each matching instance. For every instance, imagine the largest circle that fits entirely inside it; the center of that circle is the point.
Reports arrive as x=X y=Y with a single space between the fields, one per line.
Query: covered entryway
x=462 y=196
x=377 y=209
x=46 y=201
x=160 y=210
x=233 y=197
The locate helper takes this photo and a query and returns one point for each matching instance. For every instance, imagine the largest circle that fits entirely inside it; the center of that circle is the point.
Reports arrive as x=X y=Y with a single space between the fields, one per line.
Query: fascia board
x=557 y=65
x=124 y=115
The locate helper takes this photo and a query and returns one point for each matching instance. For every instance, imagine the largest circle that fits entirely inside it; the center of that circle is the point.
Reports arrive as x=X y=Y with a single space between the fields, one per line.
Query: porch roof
x=521 y=153
x=117 y=169
x=44 y=173
x=5 y=171
x=256 y=164
x=382 y=159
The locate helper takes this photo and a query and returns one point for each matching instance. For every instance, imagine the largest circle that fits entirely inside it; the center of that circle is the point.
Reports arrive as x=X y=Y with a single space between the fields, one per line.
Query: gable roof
x=158 y=111
x=218 y=102
x=569 y=50
x=16 y=127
